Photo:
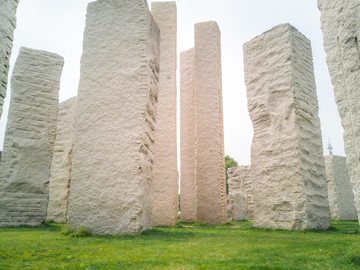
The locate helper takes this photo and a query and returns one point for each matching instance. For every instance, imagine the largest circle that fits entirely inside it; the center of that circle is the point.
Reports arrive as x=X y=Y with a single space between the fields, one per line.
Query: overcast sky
x=57 y=26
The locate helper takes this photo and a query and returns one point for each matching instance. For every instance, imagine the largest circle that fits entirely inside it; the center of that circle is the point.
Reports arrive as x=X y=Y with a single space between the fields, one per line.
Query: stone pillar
x=7 y=27
x=112 y=176
x=59 y=181
x=287 y=163
x=29 y=138
x=166 y=186
x=210 y=162
x=187 y=137
x=341 y=197
x=239 y=181
x=341 y=30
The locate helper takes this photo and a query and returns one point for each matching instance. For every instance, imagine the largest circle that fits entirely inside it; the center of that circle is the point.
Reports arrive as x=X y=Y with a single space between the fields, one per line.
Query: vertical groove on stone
x=7 y=27
x=210 y=164
x=112 y=175
x=59 y=180
x=341 y=198
x=287 y=166
x=165 y=208
x=187 y=136
x=340 y=27
x=29 y=138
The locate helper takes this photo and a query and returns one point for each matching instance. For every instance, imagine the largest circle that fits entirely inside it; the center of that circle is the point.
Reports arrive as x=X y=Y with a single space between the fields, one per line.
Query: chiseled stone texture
x=7 y=27
x=29 y=138
x=111 y=188
x=240 y=203
x=166 y=186
x=341 y=197
x=230 y=207
x=341 y=31
x=187 y=136
x=59 y=181
x=287 y=163
x=239 y=181
x=210 y=164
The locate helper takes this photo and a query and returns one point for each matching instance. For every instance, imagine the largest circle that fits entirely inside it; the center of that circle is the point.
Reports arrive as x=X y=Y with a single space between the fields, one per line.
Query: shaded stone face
x=59 y=181
x=341 y=31
x=239 y=181
x=165 y=208
x=209 y=144
x=112 y=175
x=7 y=27
x=341 y=198
x=187 y=136
x=287 y=165
x=29 y=138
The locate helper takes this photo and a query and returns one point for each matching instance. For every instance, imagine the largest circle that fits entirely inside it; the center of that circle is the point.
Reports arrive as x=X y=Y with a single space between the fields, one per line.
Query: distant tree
x=229 y=162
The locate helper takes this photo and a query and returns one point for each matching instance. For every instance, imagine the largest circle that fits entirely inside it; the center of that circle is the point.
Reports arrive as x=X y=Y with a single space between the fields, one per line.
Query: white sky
x=57 y=26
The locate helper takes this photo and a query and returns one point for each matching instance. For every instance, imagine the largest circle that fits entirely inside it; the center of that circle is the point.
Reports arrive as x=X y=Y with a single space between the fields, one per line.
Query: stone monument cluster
x=107 y=159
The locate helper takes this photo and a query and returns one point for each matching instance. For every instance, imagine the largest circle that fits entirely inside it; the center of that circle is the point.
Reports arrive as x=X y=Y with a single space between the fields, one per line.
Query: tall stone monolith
x=287 y=163
x=210 y=163
x=187 y=136
x=29 y=138
x=60 y=177
x=7 y=27
x=112 y=175
x=239 y=181
x=166 y=186
x=341 y=197
x=341 y=30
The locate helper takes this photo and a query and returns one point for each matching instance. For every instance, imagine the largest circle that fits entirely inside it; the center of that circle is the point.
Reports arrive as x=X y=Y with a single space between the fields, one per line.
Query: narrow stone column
x=59 y=181
x=166 y=186
x=29 y=138
x=187 y=137
x=239 y=181
x=112 y=176
x=341 y=30
x=341 y=197
x=7 y=27
x=210 y=162
x=287 y=163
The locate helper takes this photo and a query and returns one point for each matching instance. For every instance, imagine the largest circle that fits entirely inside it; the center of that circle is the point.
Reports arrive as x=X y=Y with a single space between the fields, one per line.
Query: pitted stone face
x=287 y=164
x=7 y=27
x=112 y=173
x=29 y=138
x=166 y=187
x=341 y=31
x=61 y=165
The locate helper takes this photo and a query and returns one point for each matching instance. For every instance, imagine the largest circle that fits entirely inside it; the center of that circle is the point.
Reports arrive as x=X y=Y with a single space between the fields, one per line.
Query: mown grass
x=236 y=245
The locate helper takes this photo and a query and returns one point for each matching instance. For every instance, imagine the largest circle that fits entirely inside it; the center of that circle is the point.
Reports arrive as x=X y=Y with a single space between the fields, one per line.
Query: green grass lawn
x=236 y=245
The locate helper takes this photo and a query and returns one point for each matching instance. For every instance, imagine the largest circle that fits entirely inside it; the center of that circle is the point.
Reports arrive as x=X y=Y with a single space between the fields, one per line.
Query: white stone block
x=61 y=165
x=341 y=31
x=287 y=163
x=112 y=175
x=29 y=138
x=166 y=186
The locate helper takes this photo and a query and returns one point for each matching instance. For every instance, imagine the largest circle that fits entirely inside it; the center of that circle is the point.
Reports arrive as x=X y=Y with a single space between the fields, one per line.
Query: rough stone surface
x=187 y=136
x=287 y=163
x=341 y=197
x=239 y=181
x=166 y=186
x=210 y=162
x=7 y=27
x=230 y=207
x=240 y=203
x=341 y=30
x=29 y=138
x=59 y=181
x=112 y=175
